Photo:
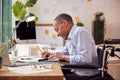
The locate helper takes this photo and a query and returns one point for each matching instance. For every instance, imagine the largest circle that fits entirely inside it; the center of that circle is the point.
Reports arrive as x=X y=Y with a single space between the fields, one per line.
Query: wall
x=47 y=10
x=47 y=35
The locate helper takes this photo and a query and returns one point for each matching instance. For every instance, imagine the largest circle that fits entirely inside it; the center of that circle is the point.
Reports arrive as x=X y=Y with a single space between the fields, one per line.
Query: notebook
x=5 y=57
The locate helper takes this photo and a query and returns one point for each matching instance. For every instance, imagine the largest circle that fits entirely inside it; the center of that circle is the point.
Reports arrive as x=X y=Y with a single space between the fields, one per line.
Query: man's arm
x=61 y=56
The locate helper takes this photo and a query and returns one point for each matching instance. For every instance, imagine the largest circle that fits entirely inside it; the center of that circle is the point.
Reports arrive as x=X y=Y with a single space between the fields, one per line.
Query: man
x=79 y=48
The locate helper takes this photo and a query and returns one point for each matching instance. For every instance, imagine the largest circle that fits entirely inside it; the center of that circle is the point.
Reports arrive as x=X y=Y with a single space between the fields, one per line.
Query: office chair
x=101 y=67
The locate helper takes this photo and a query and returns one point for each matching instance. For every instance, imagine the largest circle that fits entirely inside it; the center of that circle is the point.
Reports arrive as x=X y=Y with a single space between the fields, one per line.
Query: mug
x=0 y=62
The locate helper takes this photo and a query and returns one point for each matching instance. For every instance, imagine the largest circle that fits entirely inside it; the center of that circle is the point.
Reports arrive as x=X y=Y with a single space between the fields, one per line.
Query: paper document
x=29 y=59
x=34 y=59
x=30 y=70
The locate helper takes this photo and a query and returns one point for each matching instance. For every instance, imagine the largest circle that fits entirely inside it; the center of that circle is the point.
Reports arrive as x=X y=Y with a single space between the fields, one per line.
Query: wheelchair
x=104 y=52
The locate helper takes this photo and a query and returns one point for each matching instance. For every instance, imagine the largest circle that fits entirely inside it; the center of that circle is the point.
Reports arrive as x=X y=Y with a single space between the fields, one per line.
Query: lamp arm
x=13 y=33
x=17 y=24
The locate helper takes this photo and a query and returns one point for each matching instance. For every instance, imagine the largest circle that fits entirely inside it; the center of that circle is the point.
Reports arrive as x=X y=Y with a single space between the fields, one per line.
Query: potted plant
x=19 y=9
x=80 y=24
x=77 y=20
x=99 y=29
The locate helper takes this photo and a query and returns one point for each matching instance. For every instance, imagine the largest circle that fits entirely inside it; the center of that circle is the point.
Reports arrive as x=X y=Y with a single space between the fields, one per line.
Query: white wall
x=43 y=38
x=47 y=10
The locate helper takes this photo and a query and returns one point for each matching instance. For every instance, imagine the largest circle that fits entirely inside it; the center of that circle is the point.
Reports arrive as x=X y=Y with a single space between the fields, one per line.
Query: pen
x=39 y=49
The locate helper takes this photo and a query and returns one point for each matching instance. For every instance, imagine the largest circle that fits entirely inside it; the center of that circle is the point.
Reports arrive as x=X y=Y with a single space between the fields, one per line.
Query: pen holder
x=0 y=62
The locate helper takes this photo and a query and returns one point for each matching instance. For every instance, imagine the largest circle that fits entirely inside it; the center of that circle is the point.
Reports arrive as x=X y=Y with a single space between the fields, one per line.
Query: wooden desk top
x=56 y=74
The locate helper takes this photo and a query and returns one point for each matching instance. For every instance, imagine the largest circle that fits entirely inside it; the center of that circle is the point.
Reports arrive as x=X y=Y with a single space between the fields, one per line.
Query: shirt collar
x=71 y=32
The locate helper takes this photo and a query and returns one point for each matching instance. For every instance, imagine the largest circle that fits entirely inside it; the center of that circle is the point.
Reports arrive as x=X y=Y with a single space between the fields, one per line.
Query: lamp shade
x=29 y=17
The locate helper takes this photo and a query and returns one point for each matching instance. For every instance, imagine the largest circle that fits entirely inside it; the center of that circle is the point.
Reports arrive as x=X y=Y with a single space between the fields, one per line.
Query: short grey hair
x=64 y=16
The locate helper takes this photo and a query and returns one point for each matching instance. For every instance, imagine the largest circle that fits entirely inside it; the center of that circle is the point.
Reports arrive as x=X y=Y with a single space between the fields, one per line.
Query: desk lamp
x=28 y=18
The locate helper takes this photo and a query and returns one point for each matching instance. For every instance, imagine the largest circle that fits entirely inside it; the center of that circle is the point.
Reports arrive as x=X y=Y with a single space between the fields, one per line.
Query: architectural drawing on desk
x=31 y=69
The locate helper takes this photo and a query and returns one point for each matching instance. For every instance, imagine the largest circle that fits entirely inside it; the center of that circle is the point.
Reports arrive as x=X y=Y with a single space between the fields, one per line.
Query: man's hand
x=45 y=55
x=59 y=56
x=52 y=56
x=56 y=55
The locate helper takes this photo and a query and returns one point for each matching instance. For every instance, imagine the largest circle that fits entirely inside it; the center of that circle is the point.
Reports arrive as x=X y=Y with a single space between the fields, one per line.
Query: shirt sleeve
x=65 y=50
x=81 y=48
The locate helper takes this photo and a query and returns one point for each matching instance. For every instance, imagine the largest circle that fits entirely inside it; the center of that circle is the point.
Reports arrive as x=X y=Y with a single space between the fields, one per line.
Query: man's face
x=61 y=28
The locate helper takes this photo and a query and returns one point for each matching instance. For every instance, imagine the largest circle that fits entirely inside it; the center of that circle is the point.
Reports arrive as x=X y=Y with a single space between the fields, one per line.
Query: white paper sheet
x=29 y=70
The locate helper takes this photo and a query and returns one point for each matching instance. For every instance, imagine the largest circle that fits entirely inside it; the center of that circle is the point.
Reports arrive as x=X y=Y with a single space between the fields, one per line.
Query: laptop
x=5 y=57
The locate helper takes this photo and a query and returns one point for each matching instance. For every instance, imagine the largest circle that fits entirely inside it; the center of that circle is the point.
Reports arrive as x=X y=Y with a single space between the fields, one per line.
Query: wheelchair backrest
x=100 y=52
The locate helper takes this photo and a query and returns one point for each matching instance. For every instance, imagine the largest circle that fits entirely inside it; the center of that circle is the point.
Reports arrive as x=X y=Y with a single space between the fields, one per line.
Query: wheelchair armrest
x=79 y=66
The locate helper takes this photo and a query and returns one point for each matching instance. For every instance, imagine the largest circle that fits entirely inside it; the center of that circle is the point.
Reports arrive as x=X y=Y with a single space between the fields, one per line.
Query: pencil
x=39 y=49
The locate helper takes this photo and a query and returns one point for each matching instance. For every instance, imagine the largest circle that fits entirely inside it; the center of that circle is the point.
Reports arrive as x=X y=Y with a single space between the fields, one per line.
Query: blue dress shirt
x=81 y=48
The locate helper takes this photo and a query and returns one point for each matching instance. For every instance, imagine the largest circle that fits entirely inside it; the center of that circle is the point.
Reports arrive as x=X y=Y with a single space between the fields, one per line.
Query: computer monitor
x=26 y=30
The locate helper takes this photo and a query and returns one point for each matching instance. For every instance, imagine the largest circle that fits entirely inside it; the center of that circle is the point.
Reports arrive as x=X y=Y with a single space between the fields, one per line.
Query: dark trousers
x=71 y=76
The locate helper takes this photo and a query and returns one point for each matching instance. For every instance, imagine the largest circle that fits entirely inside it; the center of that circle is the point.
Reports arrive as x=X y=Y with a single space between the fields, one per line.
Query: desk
x=114 y=69
x=56 y=74
x=114 y=65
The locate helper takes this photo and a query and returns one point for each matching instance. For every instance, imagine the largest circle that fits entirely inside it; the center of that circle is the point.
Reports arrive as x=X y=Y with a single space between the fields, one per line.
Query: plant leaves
x=19 y=8
x=30 y=3
x=36 y=19
x=80 y=24
x=22 y=12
